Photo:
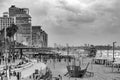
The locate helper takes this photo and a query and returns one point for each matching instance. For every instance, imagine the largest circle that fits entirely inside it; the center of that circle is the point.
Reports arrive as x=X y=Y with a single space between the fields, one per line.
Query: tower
x=23 y=20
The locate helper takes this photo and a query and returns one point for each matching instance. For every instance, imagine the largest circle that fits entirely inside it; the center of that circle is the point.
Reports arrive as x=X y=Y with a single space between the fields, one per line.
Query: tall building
x=13 y=10
x=5 y=21
x=39 y=37
x=45 y=38
x=23 y=20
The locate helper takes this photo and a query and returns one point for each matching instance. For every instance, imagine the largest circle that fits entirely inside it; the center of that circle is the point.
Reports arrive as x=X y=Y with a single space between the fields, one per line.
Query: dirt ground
x=101 y=72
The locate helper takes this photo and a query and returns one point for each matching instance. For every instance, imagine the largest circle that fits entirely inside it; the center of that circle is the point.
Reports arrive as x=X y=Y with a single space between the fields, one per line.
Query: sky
x=76 y=22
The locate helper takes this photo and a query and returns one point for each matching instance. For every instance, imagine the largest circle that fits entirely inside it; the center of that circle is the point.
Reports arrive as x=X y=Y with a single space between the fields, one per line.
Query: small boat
x=75 y=71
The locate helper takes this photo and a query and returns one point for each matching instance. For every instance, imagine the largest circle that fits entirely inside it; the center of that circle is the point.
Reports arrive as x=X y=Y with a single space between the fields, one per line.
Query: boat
x=76 y=71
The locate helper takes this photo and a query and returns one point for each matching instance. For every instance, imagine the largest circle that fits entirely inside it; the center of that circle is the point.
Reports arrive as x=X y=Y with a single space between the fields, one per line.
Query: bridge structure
x=34 y=50
x=37 y=49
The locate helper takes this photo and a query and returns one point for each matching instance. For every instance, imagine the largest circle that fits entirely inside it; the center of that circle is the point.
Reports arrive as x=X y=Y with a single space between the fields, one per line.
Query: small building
x=39 y=37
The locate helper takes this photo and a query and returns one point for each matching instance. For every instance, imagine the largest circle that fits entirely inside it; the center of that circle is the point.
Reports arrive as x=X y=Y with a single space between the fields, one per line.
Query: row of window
x=7 y=19
x=4 y=22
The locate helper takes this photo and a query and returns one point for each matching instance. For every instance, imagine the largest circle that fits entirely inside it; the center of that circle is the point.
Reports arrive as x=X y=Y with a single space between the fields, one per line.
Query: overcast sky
x=74 y=21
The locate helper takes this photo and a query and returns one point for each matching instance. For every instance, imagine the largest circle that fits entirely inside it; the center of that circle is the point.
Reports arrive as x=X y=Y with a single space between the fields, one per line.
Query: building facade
x=13 y=10
x=44 y=38
x=23 y=20
x=5 y=21
x=39 y=37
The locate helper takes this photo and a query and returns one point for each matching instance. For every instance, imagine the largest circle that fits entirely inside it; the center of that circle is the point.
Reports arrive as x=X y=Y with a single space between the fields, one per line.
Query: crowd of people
x=9 y=58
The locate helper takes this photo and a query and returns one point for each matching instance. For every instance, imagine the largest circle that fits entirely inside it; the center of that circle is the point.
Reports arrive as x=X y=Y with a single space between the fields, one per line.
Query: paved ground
x=100 y=71
x=59 y=68
x=27 y=72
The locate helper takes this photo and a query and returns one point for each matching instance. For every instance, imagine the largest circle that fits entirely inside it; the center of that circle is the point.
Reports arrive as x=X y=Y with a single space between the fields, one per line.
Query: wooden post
x=67 y=54
x=79 y=60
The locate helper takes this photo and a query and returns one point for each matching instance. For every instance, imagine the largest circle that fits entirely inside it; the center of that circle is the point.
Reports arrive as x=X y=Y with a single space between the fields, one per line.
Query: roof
x=36 y=27
x=23 y=15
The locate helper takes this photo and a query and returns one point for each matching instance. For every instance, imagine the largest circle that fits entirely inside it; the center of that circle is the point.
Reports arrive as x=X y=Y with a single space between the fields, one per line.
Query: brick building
x=23 y=20
x=39 y=37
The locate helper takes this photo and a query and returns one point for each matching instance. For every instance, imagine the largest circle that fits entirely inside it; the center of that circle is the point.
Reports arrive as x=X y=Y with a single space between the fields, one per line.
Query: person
x=18 y=75
x=1 y=77
x=9 y=71
x=60 y=77
x=0 y=61
x=14 y=73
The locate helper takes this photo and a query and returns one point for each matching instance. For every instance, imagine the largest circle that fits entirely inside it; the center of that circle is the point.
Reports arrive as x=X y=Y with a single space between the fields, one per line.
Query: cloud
x=87 y=10
x=65 y=5
x=75 y=13
x=2 y=3
x=108 y=18
x=81 y=20
x=98 y=16
x=4 y=6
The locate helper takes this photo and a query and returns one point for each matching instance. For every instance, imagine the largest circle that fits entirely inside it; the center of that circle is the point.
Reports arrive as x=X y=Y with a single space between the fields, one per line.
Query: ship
x=74 y=70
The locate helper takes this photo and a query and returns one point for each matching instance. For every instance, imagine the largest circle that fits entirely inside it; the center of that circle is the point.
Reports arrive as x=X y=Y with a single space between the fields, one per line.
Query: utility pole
x=108 y=48
x=113 y=51
x=113 y=55
x=67 y=54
